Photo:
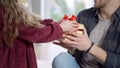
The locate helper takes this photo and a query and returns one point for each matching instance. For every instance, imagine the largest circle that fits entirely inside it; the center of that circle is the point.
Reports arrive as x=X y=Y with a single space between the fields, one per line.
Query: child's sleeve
x=48 y=33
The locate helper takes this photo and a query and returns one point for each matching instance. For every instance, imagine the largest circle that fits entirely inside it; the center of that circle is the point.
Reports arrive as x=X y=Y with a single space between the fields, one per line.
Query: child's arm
x=48 y=33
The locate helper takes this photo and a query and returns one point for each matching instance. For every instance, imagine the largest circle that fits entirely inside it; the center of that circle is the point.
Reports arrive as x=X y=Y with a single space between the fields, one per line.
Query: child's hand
x=67 y=25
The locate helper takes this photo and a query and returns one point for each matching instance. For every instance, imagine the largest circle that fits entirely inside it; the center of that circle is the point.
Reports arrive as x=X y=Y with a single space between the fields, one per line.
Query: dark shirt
x=111 y=42
x=22 y=55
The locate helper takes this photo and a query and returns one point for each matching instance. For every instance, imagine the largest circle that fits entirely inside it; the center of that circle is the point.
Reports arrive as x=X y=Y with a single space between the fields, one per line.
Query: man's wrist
x=92 y=44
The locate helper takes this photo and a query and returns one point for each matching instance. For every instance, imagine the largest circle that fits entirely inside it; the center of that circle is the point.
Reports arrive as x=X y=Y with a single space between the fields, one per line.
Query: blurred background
x=55 y=9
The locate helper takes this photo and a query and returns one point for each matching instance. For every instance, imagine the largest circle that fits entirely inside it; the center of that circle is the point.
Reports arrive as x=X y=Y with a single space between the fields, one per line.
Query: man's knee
x=61 y=56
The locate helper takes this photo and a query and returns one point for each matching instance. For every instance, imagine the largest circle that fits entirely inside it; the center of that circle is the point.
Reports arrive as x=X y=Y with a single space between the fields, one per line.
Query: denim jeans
x=64 y=60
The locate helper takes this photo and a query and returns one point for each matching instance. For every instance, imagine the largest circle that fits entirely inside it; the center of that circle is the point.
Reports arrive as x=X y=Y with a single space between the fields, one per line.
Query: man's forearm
x=99 y=53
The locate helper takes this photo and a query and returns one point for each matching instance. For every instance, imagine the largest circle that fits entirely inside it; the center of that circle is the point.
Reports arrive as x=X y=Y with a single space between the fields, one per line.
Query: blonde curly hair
x=14 y=13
